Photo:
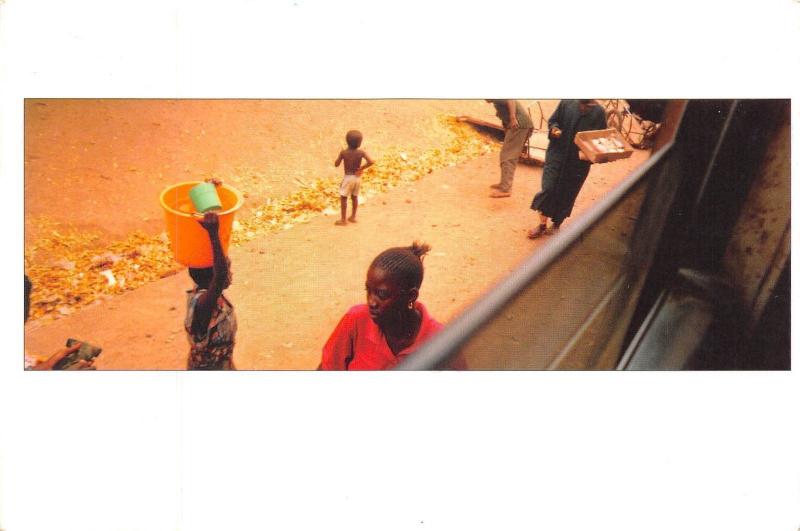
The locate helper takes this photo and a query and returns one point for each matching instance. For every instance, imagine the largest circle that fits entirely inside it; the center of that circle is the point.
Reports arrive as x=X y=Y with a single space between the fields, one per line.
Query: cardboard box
x=612 y=145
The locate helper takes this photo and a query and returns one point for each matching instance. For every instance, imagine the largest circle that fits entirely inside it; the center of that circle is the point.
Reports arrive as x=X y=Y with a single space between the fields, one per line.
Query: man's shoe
x=499 y=194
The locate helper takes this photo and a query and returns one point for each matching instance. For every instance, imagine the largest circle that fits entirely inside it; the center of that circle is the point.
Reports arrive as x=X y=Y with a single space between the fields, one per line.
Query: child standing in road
x=351 y=184
x=210 y=320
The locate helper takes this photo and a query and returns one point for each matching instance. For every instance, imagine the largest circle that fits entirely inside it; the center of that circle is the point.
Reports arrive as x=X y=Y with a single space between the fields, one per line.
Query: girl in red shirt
x=393 y=323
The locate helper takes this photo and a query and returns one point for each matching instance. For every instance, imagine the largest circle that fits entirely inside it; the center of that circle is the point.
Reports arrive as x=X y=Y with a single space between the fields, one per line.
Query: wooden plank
x=482 y=123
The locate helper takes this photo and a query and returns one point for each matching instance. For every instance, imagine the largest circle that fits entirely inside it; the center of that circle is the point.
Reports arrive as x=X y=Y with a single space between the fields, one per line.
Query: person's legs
x=354 y=195
x=349 y=188
x=507 y=170
x=541 y=230
x=343 y=202
x=550 y=201
x=509 y=155
x=571 y=187
x=355 y=208
x=502 y=157
x=542 y=219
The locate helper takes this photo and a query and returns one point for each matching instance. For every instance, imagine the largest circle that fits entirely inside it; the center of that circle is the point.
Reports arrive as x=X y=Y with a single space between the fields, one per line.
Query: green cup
x=205 y=197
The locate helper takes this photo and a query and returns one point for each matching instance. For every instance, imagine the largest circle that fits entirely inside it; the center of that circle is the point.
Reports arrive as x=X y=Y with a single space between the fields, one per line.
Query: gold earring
x=410 y=305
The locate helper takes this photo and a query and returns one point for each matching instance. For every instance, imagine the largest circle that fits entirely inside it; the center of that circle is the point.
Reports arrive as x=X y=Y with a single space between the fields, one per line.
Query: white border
x=390 y=451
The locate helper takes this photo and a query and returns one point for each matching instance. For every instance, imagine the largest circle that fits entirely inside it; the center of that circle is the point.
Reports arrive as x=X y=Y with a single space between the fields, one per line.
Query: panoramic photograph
x=222 y=234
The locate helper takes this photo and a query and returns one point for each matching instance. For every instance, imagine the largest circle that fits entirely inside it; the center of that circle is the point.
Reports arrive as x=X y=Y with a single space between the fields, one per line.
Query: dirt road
x=98 y=164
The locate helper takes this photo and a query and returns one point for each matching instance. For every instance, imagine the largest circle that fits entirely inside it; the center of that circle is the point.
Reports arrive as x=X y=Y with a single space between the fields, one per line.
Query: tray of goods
x=604 y=145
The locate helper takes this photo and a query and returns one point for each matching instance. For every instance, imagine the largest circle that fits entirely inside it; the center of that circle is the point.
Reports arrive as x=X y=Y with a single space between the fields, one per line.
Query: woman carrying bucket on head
x=210 y=319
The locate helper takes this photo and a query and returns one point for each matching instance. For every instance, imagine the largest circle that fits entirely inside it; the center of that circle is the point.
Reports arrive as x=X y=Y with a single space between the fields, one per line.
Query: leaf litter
x=69 y=268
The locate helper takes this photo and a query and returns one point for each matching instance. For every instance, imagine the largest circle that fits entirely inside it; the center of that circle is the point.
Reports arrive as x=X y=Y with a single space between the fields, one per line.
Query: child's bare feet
x=340 y=222
x=351 y=219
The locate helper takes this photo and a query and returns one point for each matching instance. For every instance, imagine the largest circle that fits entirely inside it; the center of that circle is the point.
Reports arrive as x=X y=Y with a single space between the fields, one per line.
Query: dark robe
x=564 y=173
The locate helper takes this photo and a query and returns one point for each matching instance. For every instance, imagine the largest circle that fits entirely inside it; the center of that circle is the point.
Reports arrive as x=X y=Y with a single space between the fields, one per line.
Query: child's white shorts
x=351 y=185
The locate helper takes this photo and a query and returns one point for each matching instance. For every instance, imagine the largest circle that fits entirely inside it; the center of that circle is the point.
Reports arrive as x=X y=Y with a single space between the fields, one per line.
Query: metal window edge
x=446 y=343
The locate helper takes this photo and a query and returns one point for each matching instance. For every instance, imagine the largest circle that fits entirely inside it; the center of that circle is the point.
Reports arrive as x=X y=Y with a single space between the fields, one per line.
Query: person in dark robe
x=564 y=169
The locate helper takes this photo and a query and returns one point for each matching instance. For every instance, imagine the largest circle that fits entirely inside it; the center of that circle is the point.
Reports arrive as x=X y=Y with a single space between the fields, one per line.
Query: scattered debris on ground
x=70 y=269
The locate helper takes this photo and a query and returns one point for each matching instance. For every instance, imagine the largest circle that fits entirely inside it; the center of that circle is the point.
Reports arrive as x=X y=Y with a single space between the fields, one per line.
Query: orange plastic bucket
x=190 y=242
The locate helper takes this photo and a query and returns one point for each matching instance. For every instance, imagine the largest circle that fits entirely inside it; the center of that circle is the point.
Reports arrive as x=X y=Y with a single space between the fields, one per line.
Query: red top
x=358 y=336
